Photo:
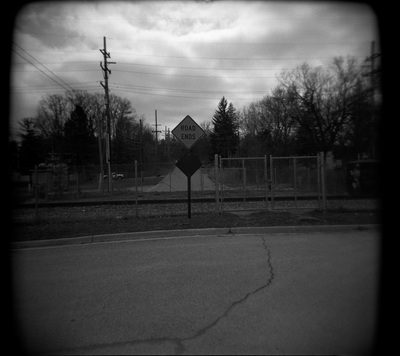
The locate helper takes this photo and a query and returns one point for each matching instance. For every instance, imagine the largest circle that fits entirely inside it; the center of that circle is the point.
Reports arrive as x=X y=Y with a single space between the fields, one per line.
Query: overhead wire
x=152 y=55
x=40 y=70
x=218 y=43
x=145 y=90
x=62 y=81
x=45 y=88
x=177 y=96
x=129 y=86
x=159 y=66
x=193 y=75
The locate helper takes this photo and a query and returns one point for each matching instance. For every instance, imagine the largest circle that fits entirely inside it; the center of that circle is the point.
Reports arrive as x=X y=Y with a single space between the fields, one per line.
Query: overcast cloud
x=179 y=58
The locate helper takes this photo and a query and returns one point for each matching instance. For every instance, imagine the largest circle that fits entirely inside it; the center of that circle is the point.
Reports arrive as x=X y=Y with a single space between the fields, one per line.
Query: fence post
x=244 y=183
x=36 y=191
x=266 y=181
x=141 y=176
x=46 y=186
x=271 y=170
x=100 y=185
x=323 y=188
x=77 y=183
x=216 y=175
x=295 y=181
x=136 y=189
x=319 y=194
x=201 y=179
x=221 y=171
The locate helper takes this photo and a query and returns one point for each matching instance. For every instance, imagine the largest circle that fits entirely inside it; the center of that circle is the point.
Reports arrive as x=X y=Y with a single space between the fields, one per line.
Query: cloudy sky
x=176 y=57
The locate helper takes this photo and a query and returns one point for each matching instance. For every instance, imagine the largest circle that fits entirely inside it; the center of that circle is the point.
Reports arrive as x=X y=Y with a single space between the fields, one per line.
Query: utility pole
x=167 y=142
x=156 y=131
x=106 y=72
x=99 y=134
x=141 y=148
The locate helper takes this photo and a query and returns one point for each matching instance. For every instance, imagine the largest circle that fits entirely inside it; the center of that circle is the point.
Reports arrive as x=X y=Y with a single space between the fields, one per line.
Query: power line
x=40 y=70
x=151 y=65
x=139 y=90
x=52 y=85
x=47 y=89
x=138 y=87
x=220 y=69
x=248 y=58
x=61 y=62
x=62 y=81
x=177 y=96
x=60 y=70
x=193 y=76
x=247 y=43
x=154 y=66
x=196 y=68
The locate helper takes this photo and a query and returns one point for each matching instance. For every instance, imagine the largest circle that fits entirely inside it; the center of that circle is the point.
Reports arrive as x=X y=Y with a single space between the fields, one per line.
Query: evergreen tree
x=225 y=135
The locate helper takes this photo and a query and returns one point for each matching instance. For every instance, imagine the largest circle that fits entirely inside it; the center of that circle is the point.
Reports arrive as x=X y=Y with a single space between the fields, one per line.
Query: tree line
x=72 y=127
x=311 y=109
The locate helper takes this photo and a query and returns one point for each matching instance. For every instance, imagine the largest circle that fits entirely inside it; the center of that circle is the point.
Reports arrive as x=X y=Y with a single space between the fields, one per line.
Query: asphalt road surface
x=234 y=294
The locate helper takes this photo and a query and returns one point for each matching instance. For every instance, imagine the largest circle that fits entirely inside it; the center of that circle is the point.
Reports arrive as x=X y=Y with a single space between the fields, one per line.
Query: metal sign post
x=189 y=164
x=189 y=198
x=188 y=132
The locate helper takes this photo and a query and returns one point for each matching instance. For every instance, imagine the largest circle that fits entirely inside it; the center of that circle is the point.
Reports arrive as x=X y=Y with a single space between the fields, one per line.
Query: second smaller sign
x=189 y=164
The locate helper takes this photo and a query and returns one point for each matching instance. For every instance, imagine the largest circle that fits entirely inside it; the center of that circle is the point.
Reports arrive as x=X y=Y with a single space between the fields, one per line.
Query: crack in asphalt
x=179 y=346
x=241 y=300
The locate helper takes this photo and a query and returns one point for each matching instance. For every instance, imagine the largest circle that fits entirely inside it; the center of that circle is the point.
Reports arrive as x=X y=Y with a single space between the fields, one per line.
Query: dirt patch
x=74 y=222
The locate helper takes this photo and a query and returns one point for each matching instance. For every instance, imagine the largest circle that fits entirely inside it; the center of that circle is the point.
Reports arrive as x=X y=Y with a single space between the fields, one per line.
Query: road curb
x=160 y=234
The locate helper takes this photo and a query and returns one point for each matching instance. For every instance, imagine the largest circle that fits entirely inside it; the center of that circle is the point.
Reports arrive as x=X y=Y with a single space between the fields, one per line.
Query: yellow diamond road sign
x=188 y=132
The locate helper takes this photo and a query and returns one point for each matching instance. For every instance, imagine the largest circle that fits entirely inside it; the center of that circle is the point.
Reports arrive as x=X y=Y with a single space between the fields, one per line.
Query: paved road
x=237 y=294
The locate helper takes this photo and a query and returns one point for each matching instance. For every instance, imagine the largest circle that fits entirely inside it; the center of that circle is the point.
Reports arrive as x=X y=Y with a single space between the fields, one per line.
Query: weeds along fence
x=221 y=185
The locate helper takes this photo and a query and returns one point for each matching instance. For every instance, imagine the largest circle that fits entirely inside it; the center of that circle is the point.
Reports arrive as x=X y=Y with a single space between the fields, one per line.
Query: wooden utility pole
x=156 y=131
x=141 y=149
x=99 y=134
x=106 y=72
x=167 y=142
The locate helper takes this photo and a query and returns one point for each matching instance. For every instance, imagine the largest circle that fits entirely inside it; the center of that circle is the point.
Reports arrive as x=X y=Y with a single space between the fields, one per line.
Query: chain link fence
x=151 y=188
x=282 y=183
x=221 y=185
x=243 y=183
x=296 y=182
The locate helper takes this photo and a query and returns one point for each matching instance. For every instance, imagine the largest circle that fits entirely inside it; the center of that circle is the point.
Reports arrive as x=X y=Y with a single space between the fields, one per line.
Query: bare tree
x=279 y=124
x=268 y=123
x=120 y=109
x=251 y=119
x=53 y=111
x=321 y=101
